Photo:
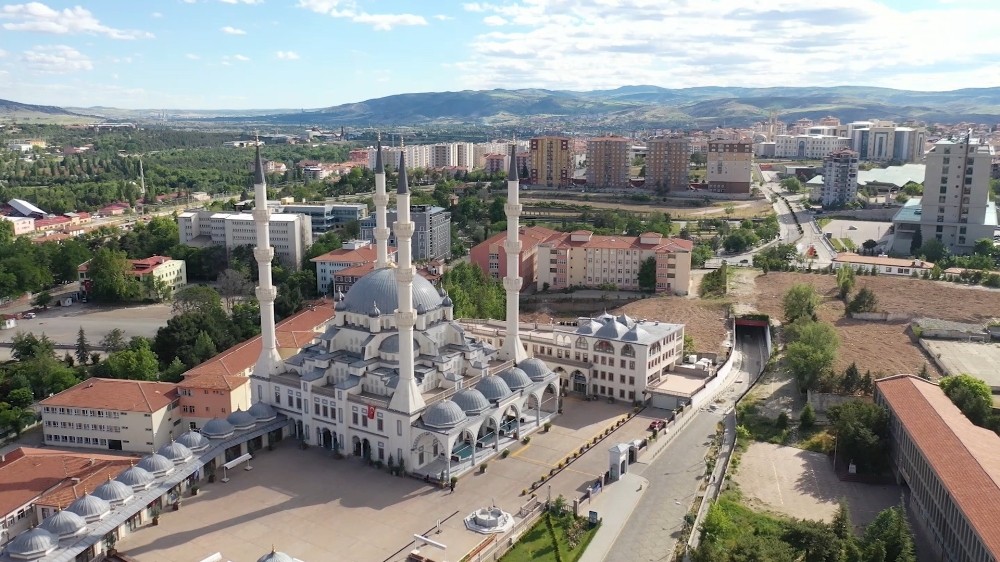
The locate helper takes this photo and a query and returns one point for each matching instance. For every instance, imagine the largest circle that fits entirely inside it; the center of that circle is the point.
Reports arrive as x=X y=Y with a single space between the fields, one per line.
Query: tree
x=851 y=381
x=114 y=341
x=26 y=346
x=647 y=274
x=20 y=397
x=174 y=371
x=179 y=336
x=933 y=250
x=197 y=298
x=82 y=352
x=889 y=537
x=845 y=282
x=984 y=247
x=916 y=242
x=792 y=185
x=204 y=347
x=42 y=300
x=862 y=430
x=842 y=526
x=864 y=301
x=111 y=279
x=473 y=293
x=811 y=352
x=327 y=242
x=138 y=362
x=869 y=246
x=800 y=301
x=971 y=395
x=808 y=416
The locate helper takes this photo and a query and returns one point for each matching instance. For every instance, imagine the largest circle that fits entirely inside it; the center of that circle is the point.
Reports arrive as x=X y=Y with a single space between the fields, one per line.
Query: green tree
x=851 y=381
x=42 y=299
x=889 y=532
x=800 y=301
x=862 y=430
x=20 y=397
x=869 y=246
x=327 y=242
x=842 y=525
x=13 y=418
x=474 y=295
x=807 y=418
x=82 y=352
x=178 y=337
x=174 y=371
x=971 y=395
x=984 y=247
x=792 y=185
x=204 y=347
x=647 y=274
x=114 y=341
x=845 y=282
x=110 y=274
x=138 y=362
x=916 y=242
x=864 y=301
x=933 y=250
x=26 y=346
x=68 y=255
x=197 y=298
x=812 y=351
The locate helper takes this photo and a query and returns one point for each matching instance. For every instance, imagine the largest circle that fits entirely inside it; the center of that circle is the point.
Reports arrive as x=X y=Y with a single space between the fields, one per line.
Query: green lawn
x=539 y=544
x=822 y=222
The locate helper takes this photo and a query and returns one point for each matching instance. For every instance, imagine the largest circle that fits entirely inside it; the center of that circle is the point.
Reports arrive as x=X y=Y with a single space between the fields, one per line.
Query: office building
x=170 y=274
x=608 y=162
x=884 y=141
x=354 y=254
x=291 y=234
x=325 y=217
x=432 y=234
x=667 y=163
x=729 y=166
x=808 y=146
x=840 y=179
x=550 y=161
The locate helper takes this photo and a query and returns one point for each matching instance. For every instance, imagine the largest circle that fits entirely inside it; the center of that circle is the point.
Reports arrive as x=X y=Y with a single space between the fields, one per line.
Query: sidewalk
x=614 y=507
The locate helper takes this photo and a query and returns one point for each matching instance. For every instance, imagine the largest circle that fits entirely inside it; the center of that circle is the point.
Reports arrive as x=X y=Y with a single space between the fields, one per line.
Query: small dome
x=241 y=420
x=635 y=334
x=194 y=441
x=515 y=378
x=374 y=312
x=625 y=319
x=275 y=557
x=65 y=524
x=114 y=492
x=262 y=411
x=217 y=428
x=421 y=309
x=91 y=508
x=340 y=296
x=32 y=544
x=588 y=327
x=493 y=388
x=443 y=415
x=158 y=465
x=177 y=453
x=535 y=368
x=612 y=329
x=447 y=302
x=471 y=401
x=137 y=478
x=341 y=305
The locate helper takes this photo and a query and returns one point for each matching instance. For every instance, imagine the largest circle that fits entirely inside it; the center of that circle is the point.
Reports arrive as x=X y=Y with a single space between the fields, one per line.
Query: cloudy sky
x=316 y=53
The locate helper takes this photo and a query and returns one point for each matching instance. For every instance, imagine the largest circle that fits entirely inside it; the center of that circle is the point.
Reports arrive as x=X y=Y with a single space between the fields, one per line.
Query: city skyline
x=264 y=54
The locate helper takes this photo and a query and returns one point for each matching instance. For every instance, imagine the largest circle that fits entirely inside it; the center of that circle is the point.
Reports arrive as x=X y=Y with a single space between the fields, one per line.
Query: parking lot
x=802 y=484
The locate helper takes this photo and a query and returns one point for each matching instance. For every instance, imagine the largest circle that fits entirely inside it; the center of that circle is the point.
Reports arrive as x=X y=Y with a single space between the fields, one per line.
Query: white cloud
x=230 y=30
x=348 y=9
x=37 y=17
x=56 y=59
x=156 y=15
x=3 y=53
x=287 y=55
x=443 y=17
x=192 y=56
x=242 y=1
x=610 y=43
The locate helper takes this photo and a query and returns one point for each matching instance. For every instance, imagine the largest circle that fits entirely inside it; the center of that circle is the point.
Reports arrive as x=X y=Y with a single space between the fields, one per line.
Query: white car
x=29 y=315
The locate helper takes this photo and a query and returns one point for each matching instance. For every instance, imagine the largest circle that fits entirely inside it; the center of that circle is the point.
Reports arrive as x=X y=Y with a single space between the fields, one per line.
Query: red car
x=657 y=425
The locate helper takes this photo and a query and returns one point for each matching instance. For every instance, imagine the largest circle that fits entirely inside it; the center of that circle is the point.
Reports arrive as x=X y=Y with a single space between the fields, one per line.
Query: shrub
x=782 y=421
x=808 y=416
x=504 y=454
x=526 y=440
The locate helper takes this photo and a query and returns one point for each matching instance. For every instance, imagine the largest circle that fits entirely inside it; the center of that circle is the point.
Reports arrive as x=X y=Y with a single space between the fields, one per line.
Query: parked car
x=29 y=315
x=657 y=425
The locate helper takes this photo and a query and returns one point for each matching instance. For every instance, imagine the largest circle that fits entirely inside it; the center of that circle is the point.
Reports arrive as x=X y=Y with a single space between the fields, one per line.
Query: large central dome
x=379 y=287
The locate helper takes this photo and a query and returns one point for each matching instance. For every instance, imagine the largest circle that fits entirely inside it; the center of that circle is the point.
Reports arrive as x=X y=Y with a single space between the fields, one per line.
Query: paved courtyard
x=317 y=508
x=857 y=231
x=802 y=484
x=977 y=359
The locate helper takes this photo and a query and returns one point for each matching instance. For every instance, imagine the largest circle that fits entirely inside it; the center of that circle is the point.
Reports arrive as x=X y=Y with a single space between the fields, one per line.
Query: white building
x=811 y=147
x=840 y=179
x=22 y=225
x=291 y=233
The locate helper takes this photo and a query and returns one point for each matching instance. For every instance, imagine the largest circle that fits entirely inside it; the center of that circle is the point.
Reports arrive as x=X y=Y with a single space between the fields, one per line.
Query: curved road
x=677 y=472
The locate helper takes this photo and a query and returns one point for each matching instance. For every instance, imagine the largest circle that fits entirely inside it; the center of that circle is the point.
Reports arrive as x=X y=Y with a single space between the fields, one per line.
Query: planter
x=156 y=520
x=211 y=478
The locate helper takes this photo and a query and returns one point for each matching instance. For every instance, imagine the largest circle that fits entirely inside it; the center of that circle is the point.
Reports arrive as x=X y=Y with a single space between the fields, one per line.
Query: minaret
x=512 y=348
x=269 y=362
x=407 y=396
x=381 y=201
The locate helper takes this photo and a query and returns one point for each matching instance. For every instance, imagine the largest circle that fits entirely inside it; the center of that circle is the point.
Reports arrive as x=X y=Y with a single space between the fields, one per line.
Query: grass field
x=551 y=534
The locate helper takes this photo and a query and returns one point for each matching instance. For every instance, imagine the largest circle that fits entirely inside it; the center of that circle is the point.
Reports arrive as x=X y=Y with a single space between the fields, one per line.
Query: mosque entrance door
x=357 y=446
x=579 y=382
x=327 y=439
x=366 y=449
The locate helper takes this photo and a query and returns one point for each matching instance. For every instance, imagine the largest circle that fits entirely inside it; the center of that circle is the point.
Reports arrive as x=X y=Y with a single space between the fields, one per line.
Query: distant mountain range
x=625 y=107
x=13 y=109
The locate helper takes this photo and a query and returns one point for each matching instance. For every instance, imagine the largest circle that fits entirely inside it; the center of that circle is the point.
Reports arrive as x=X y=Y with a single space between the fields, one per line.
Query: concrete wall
x=822 y=401
x=882 y=316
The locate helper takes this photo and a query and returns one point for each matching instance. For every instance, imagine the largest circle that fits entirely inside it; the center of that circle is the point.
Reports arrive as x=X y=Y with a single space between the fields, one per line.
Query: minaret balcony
x=512 y=284
x=263 y=255
x=381 y=200
x=262 y=215
x=266 y=294
x=512 y=246
x=512 y=210
x=404 y=229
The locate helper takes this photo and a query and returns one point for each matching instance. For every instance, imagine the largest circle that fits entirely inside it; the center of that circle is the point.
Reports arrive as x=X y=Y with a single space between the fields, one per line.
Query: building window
x=378 y=422
x=354 y=415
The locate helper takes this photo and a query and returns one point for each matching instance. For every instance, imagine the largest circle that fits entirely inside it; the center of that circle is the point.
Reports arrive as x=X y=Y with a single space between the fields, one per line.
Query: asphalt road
x=677 y=473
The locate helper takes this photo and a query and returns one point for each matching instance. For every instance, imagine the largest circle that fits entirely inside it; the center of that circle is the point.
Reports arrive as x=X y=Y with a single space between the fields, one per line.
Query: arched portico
x=578 y=382
x=488 y=434
x=427 y=447
x=549 y=399
x=532 y=408
x=510 y=422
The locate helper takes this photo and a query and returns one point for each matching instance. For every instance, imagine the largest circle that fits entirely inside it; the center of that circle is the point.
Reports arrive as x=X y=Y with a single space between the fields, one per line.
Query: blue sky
x=294 y=54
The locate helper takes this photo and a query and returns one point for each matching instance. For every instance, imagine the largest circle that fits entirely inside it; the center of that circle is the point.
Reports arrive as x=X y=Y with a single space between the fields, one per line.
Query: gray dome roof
x=606 y=316
x=443 y=415
x=91 y=508
x=341 y=305
x=217 y=428
x=114 y=492
x=612 y=329
x=515 y=378
x=493 y=388
x=589 y=327
x=275 y=557
x=635 y=334
x=379 y=287
x=374 y=311
x=447 y=301
x=625 y=319
x=262 y=411
x=33 y=543
x=194 y=441
x=137 y=478
x=421 y=309
x=535 y=368
x=471 y=401
x=66 y=524
x=241 y=420
x=176 y=452
x=157 y=464
x=391 y=344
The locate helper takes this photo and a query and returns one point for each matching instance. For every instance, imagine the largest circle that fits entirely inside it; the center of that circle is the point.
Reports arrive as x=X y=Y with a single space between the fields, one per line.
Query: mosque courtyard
x=317 y=508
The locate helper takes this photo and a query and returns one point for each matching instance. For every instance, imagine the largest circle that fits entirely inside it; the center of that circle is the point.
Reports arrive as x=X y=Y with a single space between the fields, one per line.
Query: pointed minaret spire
x=512 y=348
x=381 y=201
x=406 y=398
x=269 y=362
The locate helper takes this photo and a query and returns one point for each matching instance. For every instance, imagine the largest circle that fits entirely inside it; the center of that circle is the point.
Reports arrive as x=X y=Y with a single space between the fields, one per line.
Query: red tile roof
x=116 y=394
x=212 y=381
x=28 y=473
x=565 y=240
x=361 y=255
x=965 y=457
x=359 y=270
x=529 y=236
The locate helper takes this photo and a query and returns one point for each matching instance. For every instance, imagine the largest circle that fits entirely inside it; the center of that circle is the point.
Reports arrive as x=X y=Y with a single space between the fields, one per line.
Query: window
x=354 y=415
x=379 y=423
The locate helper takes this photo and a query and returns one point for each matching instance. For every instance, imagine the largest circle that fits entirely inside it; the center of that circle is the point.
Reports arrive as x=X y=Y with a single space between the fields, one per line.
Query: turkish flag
x=371 y=412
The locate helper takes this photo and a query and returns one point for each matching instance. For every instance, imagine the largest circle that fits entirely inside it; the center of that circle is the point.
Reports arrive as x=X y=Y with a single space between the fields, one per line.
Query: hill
x=15 y=111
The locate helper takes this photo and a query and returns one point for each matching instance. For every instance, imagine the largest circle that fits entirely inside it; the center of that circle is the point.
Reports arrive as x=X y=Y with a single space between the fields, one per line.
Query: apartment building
x=667 y=163
x=432 y=237
x=291 y=234
x=729 y=166
x=444 y=154
x=113 y=414
x=325 y=217
x=550 y=161
x=465 y=155
x=840 y=179
x=207 y=396
x=608 y=162
x=172 y=273
x=353 y=253
x=948 y=466
x=809 y=146
x=491 y=257
x=495 y=163
x=482 y=149
x=22 y=225
x=583 y=259
x=955 y=208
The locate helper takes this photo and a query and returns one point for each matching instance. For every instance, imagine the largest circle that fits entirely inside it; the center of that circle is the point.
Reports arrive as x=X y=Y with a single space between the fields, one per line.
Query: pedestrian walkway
x=614 y=509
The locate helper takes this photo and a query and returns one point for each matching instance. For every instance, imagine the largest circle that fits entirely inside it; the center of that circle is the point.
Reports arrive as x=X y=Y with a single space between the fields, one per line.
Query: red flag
x=371 y=412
